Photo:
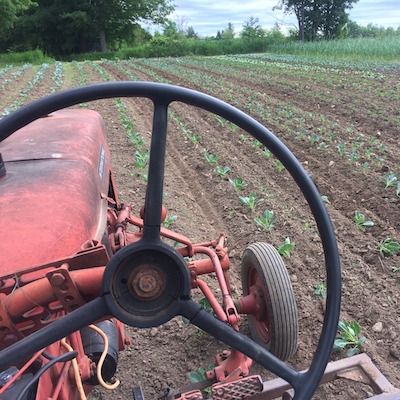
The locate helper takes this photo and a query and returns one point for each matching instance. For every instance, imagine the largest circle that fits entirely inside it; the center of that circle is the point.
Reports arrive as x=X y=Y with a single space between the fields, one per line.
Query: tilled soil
x=206 y=205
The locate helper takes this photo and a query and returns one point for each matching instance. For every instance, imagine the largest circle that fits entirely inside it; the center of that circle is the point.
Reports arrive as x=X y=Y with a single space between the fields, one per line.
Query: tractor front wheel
x=269 y=299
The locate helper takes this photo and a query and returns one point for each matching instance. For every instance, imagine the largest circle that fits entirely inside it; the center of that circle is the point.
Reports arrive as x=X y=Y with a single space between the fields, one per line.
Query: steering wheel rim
x=162 y=96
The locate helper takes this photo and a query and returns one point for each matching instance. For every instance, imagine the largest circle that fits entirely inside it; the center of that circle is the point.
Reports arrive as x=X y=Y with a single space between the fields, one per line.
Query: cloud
x=208 y=16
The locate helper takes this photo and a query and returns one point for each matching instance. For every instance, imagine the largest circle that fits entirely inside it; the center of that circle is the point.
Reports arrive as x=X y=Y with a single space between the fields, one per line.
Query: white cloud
x=208 y=16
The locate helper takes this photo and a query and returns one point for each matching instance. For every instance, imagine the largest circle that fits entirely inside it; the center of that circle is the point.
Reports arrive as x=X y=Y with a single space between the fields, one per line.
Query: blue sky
x=208 y=16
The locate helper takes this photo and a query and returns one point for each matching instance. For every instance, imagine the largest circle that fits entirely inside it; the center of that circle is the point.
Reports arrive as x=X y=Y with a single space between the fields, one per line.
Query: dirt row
x=240 y=228
x=205 y=205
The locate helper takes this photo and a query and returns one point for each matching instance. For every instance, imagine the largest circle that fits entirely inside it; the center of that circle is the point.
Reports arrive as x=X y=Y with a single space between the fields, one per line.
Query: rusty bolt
x=147 y=282
x=57 y=279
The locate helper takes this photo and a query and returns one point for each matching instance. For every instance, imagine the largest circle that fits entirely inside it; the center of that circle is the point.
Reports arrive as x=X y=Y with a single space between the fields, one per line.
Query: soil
x=206 y=205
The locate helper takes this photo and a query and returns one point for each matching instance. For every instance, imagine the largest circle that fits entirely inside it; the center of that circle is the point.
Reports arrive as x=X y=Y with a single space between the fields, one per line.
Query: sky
x=209 y=16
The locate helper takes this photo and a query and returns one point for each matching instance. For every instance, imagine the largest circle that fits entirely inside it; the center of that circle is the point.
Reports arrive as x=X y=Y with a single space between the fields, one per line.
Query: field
x=341 y=120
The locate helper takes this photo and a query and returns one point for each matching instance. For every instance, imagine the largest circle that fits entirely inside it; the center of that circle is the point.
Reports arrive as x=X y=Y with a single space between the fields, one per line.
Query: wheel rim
x=261 y=321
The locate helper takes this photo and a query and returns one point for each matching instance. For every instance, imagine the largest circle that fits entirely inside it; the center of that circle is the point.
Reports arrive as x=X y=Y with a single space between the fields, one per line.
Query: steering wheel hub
x=144 y=284
x=147 y=282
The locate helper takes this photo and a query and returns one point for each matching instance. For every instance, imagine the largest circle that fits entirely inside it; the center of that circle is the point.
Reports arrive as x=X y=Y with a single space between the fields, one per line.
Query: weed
x=266 y=220
x=222 y=171
x=349 y=336
x=389 y=247
x=237 y=183
x=285 y=249
x=320 y=290
x=169 y=221
x=210 y=158
x=250 y=201
x=361 y=222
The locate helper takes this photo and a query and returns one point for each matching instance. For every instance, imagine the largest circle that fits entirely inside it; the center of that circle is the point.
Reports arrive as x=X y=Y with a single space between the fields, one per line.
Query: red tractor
x=76 y=265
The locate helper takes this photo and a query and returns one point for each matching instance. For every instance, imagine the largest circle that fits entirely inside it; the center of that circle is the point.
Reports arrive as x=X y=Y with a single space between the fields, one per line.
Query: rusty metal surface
x=358 y=368
x=237 y=390
x=46 y=214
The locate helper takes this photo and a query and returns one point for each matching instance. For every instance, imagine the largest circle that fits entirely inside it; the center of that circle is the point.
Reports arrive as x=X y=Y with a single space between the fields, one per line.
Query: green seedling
x=361 y=222
x=197 y=376
x=249 y=201
x=396 y=269
x=205 y=305
x=314 y=138
x=341 y=148
x=169 y=221
x=243 y=138
x=141 y=159
x=349 y=337
x=256 y=144
x=390 y=180
x=325 y=199
x=210 y=158
x=136 y=139
x=389 y=247
x=266 y=220
x=266 y=153
x=237 y=183
x=286 y=248
x=279 y=166
x=320 y=290
x=195 y=139
x=222 y=171
x=221 y=121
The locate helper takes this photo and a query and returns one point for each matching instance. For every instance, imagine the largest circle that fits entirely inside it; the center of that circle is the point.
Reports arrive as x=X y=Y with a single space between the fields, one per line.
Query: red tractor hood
x=52 y=195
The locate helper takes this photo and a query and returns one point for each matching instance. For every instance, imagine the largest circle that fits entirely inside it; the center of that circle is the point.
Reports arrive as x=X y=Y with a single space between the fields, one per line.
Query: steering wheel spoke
x=155 y=182
x=226 y=334
x=147 y=283
x=77 y=319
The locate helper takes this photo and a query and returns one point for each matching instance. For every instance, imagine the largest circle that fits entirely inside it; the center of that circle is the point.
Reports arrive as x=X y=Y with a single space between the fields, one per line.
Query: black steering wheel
x=147 y=306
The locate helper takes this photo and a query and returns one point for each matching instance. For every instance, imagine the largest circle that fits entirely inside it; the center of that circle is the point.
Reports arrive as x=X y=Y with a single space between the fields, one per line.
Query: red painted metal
x=48 y=164
x=68 y=225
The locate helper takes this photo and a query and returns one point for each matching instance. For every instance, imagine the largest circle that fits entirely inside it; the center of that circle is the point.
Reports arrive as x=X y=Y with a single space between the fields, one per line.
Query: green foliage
x=390 y=180
x=361 y=222
x=169 y=221
x=141 y=159
x=320 y=290
x=285 y=249
x=237 y=183
x=197 y=376
x=349 y=337
x=389 y=247
x=252 y=29
x=368 y=49
x=266 y=220
x=279 y=166
x=32 y=57
x=210 y=158
x=65 y=27
x=222 y=171
x=325 y=16
x=249 y=201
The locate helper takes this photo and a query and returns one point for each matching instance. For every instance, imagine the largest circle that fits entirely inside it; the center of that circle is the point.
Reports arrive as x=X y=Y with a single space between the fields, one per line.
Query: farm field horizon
x=340 y=119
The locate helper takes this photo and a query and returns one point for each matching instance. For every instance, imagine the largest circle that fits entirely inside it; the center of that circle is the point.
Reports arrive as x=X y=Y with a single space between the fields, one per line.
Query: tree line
x=61 y=28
